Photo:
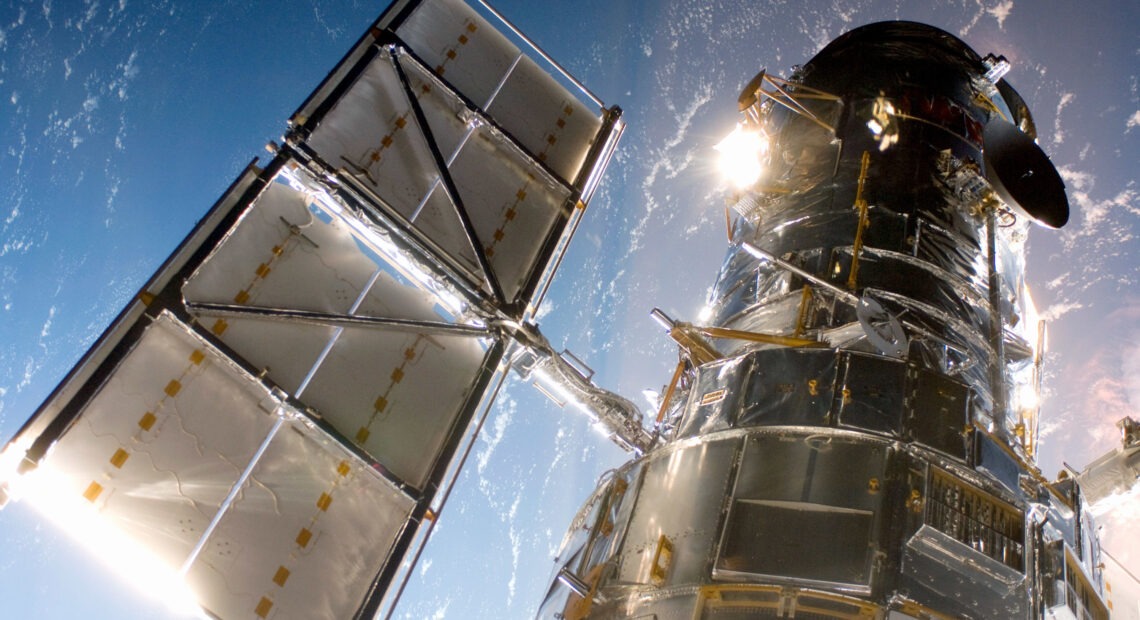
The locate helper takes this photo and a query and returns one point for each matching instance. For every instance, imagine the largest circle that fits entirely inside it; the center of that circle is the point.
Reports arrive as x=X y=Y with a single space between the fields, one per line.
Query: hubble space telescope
x=852 y=432
x=273 y=424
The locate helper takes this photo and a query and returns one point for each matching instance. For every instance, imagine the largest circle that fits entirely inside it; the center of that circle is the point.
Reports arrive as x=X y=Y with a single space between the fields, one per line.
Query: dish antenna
x=1022 y=175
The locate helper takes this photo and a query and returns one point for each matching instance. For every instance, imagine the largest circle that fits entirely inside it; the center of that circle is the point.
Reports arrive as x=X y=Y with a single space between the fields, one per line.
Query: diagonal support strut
x=448 y=182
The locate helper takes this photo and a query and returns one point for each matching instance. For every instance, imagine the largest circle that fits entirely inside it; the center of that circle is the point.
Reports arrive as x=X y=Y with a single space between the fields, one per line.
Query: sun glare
x=740 y=154
x=52 y=496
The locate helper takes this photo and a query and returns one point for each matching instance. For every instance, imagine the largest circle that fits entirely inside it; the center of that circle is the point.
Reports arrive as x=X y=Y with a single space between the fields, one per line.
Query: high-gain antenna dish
x=1022 y=175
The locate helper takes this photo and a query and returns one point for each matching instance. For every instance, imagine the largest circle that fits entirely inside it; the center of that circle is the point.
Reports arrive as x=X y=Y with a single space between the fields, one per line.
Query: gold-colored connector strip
x=736 y=334
x=861 y=205
x=669 y=391
x=801 y=317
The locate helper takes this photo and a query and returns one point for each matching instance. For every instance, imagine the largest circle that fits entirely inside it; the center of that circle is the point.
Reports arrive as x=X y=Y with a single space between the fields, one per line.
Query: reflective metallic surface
x=853 y=432
x=275 y=422
x=278 y=418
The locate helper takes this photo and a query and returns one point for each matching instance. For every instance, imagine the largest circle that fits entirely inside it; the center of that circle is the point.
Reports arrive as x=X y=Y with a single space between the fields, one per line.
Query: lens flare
x=52 y=495
x=740 y=156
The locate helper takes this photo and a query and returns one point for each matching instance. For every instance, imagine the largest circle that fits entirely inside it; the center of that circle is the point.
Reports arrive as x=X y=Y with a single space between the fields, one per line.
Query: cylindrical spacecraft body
x=876 y=458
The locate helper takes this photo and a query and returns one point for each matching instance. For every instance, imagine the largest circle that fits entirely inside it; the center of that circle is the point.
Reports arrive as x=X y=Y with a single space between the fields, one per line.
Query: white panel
x=472 y=56
x=397 y=395
x=512 y=208
x=513 y=205
x=305 y=538
x=371 y=136
x=394 y=297
x=546 y=118
x=324 y=266
x=284 y=254
x=320 y=265
x=280 y=254
x=285 y=350
x=159 y=447
x=156 y=449
x=459 y=45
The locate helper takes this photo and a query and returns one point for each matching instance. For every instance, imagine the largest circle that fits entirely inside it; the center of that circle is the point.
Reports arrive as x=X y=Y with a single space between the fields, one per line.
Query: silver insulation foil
x=852 y=430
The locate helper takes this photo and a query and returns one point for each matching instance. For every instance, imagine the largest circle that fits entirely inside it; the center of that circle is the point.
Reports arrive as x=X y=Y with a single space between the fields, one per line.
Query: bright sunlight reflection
x=50 y=494
x=740 y=154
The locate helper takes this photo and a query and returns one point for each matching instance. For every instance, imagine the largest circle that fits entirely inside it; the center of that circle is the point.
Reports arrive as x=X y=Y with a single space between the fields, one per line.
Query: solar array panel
x=275 y=415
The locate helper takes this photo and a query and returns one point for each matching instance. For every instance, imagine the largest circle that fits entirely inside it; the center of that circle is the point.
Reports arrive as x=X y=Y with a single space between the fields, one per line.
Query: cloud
x=1111 y=376
x=1130 y=373
x=1001 y=11
x=1132 y=122
x=128 y=71
x=1101 y=386
x=1097 y=211
x=1058 y=132
x=441 y=613
x=1105 y=223
x=1058 y=310
x=1108 y=401
x=490 y=438
x=46 y=329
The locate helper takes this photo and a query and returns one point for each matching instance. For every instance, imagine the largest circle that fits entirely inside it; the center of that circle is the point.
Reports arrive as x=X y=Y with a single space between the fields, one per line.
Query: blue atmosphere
x=122 y=121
